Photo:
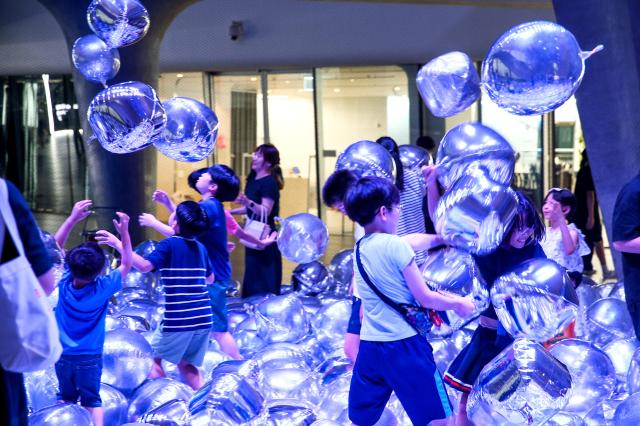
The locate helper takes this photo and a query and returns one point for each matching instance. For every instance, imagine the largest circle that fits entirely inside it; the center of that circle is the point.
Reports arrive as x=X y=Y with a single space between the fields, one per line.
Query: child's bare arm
x=137 y=261
x=161 y=197
x=80 y=210
x=122 y=226
x=210 y=279
x=149 y=220
x=419 y=242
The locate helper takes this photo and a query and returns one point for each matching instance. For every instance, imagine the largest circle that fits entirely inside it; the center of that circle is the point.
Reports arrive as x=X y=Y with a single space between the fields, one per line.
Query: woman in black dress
x=263 y=268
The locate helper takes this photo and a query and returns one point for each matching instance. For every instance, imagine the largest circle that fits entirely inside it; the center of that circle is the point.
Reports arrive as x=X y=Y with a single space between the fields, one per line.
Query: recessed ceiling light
x=336 y=90
x=254 y=78
x=179 y=75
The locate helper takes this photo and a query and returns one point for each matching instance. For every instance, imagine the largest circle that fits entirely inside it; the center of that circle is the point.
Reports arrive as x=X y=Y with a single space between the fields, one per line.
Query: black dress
x=262 y=268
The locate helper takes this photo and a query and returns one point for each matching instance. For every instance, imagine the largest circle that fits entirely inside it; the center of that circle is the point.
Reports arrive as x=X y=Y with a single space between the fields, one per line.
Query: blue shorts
x=174 y=346
x=79 y=377
x=405 y=367
x=218 y=296
x=354 y=320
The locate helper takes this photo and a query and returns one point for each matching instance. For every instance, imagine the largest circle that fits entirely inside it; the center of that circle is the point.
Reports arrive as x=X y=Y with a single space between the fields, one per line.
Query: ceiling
x=286 y=34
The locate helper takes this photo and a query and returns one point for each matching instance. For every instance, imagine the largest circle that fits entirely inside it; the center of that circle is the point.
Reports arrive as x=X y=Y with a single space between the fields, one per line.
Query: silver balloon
x=287 y=412
x=133 y=323
x=617 y=291
x=282 y=319
x=334 y=368
x=302 y=238
x=235 y=317
x=413 y=156
x=42 y=388
x=118 y=22
x=587 y=294
x=633 y=376
x=448 y=84
x=212 y=359
x=171 y=413
x=278 y=355
x=145 y=248
x=127 y=359
x=536 y=300
x=154 y=393
x=126 y=117
x=336 y=399
x=593 y=375
x=330 y=324
x=312 y=304
x=310 y=278
x=523 y=385
x=621 y=352
x=475 y=214
x=445 y=349
x=565 y=419
x=114 y=404
x=474 y=146
x=191 y=131
x=627 y=413
x=280 y=382
x=63 y=414
x=137 y=279
x=249 y=342
x=453 y=271
x=248 y=324
x=94 y=59
x=602 y=414
x=367 y=159
x=341 y=267
x=607 y=320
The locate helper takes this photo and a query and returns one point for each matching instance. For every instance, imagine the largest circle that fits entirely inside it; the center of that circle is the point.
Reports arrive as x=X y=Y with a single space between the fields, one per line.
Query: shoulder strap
x=375 y=289
x=8 y=217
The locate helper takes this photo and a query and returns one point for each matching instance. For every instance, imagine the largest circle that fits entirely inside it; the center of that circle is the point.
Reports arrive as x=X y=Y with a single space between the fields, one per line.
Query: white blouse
x=554 y=249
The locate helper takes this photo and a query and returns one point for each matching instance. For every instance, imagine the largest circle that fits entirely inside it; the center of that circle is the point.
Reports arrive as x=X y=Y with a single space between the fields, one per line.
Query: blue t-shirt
x=81 y=312
x=184 y=266
x=215 y=239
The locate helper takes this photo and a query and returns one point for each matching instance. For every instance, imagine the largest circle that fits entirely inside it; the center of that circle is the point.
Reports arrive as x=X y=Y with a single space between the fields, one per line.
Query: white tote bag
x=29 y=337
x=257 y=228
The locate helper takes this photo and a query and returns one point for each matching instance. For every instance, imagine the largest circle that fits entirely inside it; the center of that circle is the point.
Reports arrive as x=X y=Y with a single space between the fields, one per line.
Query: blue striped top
x=183 y=265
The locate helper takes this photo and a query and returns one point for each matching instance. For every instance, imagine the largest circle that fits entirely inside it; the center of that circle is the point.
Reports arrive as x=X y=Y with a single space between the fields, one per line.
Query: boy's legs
x=219 y=326
x=97 y=415
x=88 y=372
x=190 y=374
x=227 y=344
x=68 y=391
x=156 y=369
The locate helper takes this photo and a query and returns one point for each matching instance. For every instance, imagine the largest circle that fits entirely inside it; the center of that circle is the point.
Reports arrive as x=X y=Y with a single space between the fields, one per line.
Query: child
x=80 y=314
x=185 y=271
x=80 y=211
x=386 y=338
x=563 y=242
x=489 y=339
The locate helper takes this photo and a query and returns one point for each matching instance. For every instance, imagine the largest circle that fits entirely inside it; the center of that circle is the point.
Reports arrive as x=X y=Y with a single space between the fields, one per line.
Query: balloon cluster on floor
x=128 y=116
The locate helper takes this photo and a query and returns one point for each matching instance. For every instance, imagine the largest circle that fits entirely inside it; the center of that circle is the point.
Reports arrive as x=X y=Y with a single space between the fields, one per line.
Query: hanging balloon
x=191 y=131
x=126 y=117
x=413 y=156
x=302 y=238
x=118 y=22
x=94 y=59
x=534 y=68
x=367 y=159
x=448 y=84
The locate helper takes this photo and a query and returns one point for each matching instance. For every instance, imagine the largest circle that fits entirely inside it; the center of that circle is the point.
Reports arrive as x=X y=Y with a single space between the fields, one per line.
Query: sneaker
x=589 y=272
x=609 y=275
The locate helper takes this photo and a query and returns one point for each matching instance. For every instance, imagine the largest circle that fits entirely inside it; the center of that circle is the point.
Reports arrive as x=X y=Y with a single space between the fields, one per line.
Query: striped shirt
x=412 y=216
x=183 y=265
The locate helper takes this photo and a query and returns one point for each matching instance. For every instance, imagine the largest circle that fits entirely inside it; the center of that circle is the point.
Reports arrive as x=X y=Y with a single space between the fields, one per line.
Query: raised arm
x=161 y=197
x=122 y=226
x=80 y=210
x=149 y=220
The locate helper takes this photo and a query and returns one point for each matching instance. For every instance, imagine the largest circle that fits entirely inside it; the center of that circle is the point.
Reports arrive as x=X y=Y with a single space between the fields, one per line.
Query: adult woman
x=263 y=268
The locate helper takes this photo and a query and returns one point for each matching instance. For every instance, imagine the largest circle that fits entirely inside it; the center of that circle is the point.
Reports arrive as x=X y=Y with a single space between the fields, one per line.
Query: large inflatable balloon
x=94 y=59
x=64 y=414
x=534 y=68
x=281 y=319
x=448 y=84
x=302 y=238
x=127 y=359
x=413 y=156
x=191 y=131
x=367 y=159
x=118 y=22
x=126 y=117
x=310 y=278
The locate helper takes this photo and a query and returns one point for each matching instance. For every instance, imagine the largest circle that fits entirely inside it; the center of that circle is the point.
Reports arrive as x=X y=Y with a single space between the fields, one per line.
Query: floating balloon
x=282 y=319
x=448 y=84
x=191 y=131
x=302 y=238
x=536 y=300
x=445 y=349
x=413 y=156
x=534 y=68
x=94 y=59
x=118 y=22
x=155 y=393
x=63 y=414
x=114 y=404
x=367 y=159
x=127 y=359
x=608 y=319
x=474 y=146
x=126 y=117
x=310 y=278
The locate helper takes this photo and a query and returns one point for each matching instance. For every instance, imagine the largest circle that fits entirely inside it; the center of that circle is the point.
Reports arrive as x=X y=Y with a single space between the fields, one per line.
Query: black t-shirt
x=584 y=184
x=266 y=187
x=626 y=226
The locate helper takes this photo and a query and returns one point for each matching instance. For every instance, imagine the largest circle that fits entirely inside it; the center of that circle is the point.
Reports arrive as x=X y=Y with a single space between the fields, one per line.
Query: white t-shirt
x=554 y=249
x=384 y=257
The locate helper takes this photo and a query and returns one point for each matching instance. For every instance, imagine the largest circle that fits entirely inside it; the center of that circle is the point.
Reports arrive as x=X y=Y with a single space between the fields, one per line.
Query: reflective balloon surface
x=448 y=84
x=114 y=404
x=633 y=376
x=282 y=319
x=154 y=393
x=171 y=413
x=118 y=22
x=627 y=413
x=226 y=398
x=64 y=414
x=621 y=352
x=368 y=159
x=535 y=300
x=608 y=319
x=413 y=156
x=127 y=359
x=341 y=268
x=41 y=387
x=565 y=419
x=126 y=117
x=146 y=247
x=94 y=59
x=302 y=238
x=191 y=131
x=533 y=68
x=310 y=278
x=330 y=324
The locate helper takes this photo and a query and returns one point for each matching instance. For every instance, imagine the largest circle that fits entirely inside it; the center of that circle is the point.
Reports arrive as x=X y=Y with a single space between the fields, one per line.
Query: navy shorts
x=218 y=296
x=79 y=377
x=405 y=367
x=354 y=320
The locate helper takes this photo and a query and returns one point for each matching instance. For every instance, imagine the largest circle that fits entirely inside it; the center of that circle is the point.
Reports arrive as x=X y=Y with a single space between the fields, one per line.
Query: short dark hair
x=193 y=177
x=337 y=185
x=392 y=147
x=566 y=199
x=191 y=218
x=227 y=181
x=367 y=195
x=85 y=261
x=526 y=217
x=426 y=142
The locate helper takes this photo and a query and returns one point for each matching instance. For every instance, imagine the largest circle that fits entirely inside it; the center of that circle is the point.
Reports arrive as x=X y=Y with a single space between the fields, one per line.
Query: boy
x=386 y=338
x=185 y=271
x=80 y=314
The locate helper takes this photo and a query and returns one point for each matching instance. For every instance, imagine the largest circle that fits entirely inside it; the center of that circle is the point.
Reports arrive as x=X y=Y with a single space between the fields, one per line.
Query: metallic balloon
x=524 y=385
x=282 y=319
x=475 y=214
x=145 y=248
x=249 y=342
x=191 y=131
x=330 y=324
x=171 y=413
x=448 y=84
x=63 y=414
x=127 y=359
x=42 y=388
x=212 y=359
x=336 y=399
x=154 y=393
x=602 y=414
x=280 y=382
x=114 y=404
x=126 y=117
x=587 y=294
x=565 y=419
x=536 y=300
x=312 y=304
x=413 y=156
x=617 y=291
x=143 y=280
x=453 y=271
x=592 y=373
x=302 y=238
x=310 y=278
x=341 y=267
x=621 y=352
x=367 y=159
x=474 y=146
x=118 y=22
x=94 y=59
x=607 y=320
x=334 y=368
x=633 y=376
x=287 y=412
x=627 y=413
x=533 y=68
x=279 y=355
x=235 y=317
x=445 y=349
x=248 y=324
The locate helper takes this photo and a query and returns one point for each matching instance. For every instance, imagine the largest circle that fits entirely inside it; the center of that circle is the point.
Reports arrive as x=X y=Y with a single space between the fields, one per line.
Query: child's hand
x=122 y=223
x=430 y=174
x=107 y=238
x=147 y=219
x=80 y=210
x=231 y=246
x=465 y=307
x=160 y=196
